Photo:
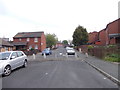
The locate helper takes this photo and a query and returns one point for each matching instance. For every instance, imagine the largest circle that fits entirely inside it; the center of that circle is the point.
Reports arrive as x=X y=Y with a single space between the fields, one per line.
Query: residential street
x=60 y=44
x=57 y=71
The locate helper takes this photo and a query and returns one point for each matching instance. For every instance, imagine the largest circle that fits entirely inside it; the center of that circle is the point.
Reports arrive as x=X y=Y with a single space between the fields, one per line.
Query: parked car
x=67 y=48
x=11 y=60
x=47 y=51
x=70 y=51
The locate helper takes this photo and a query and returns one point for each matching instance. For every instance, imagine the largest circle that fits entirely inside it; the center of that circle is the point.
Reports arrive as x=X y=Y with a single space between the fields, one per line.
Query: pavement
x=109 y=69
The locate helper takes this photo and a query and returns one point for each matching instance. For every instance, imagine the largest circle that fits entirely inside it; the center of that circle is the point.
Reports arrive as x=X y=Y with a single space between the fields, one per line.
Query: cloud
x=2 y=9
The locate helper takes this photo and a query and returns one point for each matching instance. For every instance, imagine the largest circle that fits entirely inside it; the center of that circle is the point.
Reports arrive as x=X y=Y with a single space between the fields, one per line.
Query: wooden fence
x=100 y=51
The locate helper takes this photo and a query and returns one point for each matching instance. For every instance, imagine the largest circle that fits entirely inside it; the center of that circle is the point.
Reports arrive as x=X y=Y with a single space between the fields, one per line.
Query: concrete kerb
x=115 y=80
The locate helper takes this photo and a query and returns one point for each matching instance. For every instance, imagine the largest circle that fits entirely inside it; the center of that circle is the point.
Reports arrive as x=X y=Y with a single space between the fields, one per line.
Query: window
x=36 y=46
x=10 y=49
x=19 y=39
x=28 y=39
x=6 y=48
x=20 y=54
x=4 y=56
x=14 y=54
x=30 y=47
x=35 y=39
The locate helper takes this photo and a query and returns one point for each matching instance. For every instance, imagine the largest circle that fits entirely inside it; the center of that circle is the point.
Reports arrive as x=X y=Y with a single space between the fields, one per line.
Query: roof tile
x=28 y=34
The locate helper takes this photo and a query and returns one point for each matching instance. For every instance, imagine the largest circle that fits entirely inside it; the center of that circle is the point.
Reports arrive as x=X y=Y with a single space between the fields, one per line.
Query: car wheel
x=25 y=64
x=7 y=71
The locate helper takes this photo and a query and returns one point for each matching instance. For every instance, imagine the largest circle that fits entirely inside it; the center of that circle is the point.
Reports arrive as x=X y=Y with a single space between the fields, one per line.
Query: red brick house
x=101 y=37
x=113 y=32
x=59 y=44
x=93 y=37
x=30 y=40
x=107 y=36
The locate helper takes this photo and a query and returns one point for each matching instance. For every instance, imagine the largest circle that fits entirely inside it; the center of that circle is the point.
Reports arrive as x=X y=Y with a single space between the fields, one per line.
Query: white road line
x=115 y=80
x=46 y=73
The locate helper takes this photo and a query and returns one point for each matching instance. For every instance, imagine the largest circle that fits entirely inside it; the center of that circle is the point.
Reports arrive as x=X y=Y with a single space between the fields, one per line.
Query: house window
x=30 y=47
x=19 y=39
x=6 y=48
x=28 y=39
x=36 y=46
x=20 y=54
x=10 y=49
x=35 y=39
x=14 y=54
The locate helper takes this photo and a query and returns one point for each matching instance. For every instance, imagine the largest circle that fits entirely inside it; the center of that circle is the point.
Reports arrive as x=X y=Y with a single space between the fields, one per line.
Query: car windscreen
x=46 y=50
x=4 y=56
x=70 y=49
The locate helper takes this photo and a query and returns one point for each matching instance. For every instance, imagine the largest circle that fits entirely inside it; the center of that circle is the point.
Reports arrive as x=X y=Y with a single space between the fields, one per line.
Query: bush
x=113 y=58
x=111 y=46
x=90 y=47
x=31 y=49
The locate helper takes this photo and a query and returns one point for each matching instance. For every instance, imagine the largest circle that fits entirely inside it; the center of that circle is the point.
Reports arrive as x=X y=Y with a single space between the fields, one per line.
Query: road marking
x=60 y=54
x=46 y=73
x=104 y=78
x=82 y=60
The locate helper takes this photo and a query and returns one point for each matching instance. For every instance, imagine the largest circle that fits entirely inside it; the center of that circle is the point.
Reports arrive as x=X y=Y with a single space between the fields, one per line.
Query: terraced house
x=29 y=40
x=107 y=36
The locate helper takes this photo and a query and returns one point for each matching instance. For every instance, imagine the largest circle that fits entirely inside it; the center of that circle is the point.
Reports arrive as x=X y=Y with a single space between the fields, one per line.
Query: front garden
x=109 y=53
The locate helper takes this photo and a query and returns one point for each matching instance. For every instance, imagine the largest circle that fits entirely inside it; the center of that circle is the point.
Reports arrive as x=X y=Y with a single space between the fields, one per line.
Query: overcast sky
x=55 y=16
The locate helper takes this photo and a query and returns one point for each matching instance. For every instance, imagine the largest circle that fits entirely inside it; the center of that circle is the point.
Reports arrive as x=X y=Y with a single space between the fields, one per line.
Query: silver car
x=11 y=60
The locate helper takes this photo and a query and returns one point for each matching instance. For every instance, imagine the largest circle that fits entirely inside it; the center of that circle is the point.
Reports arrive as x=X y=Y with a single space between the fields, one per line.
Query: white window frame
x=20 y=39
x=35 y=39
x=28 y=39
x=30 y=47
x=36 y=46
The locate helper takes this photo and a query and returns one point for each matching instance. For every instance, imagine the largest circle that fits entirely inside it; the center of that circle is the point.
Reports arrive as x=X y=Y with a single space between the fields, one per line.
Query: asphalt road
x=57 y=74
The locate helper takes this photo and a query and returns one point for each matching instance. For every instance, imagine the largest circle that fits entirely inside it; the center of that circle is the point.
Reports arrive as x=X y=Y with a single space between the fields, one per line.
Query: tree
x=80 y=36
x=65 y=42
x=51 y=40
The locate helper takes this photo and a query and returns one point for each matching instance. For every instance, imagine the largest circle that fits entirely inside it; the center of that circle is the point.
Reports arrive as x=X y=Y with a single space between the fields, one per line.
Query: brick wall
x=43 y=42
x=19 y=39
x=93 y=37
x=102 y=37
x=113 y=27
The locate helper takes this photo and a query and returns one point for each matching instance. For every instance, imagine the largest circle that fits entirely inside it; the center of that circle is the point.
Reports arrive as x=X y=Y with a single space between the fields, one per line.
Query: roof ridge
x=28 y=34
x=32 y=32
